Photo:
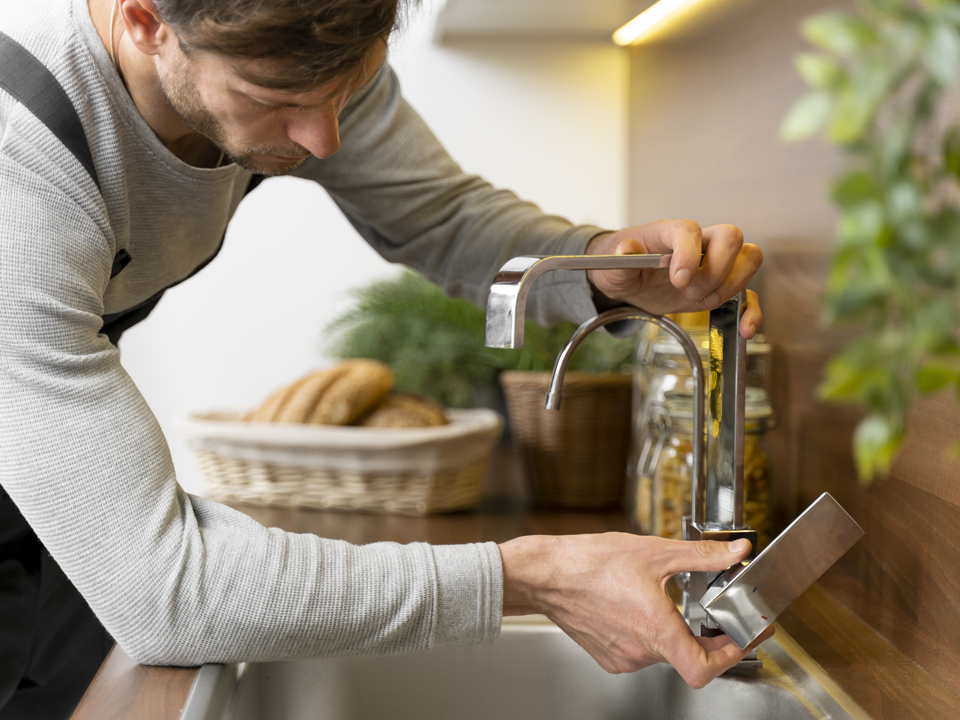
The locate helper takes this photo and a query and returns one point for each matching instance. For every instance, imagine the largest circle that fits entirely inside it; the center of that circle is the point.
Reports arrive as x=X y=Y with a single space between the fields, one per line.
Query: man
x=182 y=103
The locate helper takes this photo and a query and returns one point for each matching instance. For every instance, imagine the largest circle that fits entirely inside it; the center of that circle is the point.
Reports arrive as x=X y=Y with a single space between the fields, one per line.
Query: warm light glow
x=645 y=22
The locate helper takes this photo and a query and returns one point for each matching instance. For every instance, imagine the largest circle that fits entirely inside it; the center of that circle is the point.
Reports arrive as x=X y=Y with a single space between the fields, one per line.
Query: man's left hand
x=690 y=285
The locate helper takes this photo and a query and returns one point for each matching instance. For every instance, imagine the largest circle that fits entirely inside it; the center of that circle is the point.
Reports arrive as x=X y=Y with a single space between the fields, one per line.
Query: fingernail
x=683 y=278
x=693 y=293
x=711 y=300
x=753 y=329
x=737 y=546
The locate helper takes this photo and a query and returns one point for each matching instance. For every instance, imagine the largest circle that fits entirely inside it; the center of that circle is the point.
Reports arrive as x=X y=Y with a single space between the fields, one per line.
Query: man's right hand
x=608 y=592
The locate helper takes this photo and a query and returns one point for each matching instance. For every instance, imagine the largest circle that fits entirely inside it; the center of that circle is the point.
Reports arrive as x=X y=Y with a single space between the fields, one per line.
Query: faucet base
x=696 y=584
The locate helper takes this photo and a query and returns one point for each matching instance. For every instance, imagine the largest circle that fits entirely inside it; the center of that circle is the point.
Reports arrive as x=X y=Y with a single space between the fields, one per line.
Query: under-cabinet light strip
x=642 y=24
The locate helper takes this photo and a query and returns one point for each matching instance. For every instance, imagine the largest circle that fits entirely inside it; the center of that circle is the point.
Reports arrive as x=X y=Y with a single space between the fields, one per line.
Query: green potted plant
x=877 y=82
x=434 y=344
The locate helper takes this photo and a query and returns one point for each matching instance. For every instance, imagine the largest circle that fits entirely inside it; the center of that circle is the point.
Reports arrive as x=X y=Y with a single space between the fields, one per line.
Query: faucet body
x=717 y=472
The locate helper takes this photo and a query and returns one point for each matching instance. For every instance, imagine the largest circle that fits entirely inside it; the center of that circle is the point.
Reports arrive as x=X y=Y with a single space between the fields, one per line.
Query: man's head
x=263 y=79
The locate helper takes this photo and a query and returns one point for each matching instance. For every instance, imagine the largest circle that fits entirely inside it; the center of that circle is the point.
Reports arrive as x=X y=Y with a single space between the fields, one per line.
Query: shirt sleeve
x=412 y=203
x=178 y=579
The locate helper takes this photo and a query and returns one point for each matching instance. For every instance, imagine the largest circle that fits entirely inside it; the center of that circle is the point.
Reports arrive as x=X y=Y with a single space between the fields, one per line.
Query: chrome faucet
x=744 y=599
x=717 y=473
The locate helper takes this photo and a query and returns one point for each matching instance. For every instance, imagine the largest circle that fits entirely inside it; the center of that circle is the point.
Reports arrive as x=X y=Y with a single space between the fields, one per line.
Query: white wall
x=546 y=119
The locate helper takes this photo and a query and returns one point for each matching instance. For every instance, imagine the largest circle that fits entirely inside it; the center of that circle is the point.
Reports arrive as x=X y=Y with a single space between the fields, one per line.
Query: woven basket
x=410 y=471
x=576 y=457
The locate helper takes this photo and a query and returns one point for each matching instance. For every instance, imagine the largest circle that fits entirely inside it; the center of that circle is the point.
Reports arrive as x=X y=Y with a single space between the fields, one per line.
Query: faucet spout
x=507 y=302
x=698 y=488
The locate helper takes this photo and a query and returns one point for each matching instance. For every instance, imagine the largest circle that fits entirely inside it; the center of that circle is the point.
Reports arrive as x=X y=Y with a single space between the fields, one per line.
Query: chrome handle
x=507 y=301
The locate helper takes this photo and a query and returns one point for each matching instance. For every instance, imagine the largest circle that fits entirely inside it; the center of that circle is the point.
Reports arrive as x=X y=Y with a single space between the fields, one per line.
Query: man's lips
x=284 y=158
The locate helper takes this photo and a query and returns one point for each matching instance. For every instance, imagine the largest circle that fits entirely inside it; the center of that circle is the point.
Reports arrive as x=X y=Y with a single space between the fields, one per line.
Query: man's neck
x=139 y=74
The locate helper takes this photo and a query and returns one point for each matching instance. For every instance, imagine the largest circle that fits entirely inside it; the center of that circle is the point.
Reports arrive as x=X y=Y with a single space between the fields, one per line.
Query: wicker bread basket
x=576 y=457
x=408 y=471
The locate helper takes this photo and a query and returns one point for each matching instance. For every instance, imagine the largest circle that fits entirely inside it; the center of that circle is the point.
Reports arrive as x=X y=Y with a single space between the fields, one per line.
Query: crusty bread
x=305 y=394
x=405 y=411
x=273 y=404
x=335 y=396
x=363 y=384
x=295 y=402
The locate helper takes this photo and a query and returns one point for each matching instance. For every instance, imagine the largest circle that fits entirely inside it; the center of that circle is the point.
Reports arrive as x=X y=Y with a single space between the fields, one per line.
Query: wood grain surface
x=883 y=681
x=124 y=690
x=903 y=577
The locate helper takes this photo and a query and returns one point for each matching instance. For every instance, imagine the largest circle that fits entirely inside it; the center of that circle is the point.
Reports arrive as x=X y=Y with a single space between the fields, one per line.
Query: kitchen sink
x=533 y=672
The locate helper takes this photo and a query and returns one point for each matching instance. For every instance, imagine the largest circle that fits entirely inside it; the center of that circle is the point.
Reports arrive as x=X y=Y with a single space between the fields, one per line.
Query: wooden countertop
x=887 y=684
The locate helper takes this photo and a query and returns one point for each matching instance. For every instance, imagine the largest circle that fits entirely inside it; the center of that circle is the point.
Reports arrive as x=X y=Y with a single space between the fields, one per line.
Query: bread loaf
x=405 y=411
x=363 y=385
x=335 y=396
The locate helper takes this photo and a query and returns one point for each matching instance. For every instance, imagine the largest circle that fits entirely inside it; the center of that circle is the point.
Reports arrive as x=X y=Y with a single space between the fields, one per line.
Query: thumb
x=624 y=280
x=706 y=555
x=630 y=247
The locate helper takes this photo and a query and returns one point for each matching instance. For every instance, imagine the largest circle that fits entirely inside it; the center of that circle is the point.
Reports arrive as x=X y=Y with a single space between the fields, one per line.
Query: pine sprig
x=434 y=344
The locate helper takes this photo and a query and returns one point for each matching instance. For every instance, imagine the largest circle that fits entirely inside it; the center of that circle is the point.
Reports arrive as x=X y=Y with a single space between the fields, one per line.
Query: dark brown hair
x=310 y=41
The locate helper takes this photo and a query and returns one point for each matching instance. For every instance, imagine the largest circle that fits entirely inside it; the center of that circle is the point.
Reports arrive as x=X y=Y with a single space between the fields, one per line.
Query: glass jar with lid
x=661 y=366
x=661 y=493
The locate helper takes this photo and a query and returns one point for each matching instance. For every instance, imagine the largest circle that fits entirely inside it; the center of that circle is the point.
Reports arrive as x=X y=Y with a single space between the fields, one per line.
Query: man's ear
x=143 y=26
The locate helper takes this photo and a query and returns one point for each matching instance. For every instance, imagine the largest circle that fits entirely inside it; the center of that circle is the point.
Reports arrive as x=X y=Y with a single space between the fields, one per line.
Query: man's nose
x=318 y=132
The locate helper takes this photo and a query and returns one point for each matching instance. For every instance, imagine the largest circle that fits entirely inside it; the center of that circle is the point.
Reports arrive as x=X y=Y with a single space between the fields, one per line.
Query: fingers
x=625 y=278
x=684 y=239
x=702 y=555
x=752 y=316
x=762 y=637
x=701 y=659
x=728 y=265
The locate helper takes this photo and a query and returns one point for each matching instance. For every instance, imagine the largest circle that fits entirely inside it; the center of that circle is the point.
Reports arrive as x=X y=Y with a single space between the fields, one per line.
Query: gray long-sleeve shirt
x=175 y=578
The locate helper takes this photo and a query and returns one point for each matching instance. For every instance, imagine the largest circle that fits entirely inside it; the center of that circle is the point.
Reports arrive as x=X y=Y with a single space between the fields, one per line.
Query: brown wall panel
x=903 y=578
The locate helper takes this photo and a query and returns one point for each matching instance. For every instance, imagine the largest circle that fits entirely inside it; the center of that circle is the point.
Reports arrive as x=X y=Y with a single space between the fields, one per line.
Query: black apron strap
x=35 y=87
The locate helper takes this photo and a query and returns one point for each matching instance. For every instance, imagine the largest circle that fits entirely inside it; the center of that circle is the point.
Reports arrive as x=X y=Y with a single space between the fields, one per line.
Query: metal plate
x=745 y=600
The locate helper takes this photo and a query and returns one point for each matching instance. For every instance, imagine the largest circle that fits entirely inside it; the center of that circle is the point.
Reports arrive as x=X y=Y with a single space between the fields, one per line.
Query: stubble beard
x=183 y=97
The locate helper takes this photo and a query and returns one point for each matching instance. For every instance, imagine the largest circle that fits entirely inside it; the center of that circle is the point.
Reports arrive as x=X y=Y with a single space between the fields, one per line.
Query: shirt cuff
x=469 y=594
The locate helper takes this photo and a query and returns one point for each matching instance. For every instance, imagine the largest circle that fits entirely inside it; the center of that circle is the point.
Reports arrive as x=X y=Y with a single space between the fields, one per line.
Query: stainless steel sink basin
x=534 y=672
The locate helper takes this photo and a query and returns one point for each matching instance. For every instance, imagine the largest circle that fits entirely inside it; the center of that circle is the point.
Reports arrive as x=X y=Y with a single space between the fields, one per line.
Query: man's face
x=265 y=131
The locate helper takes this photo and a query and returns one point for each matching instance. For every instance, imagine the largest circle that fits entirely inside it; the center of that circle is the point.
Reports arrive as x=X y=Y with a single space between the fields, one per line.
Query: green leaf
x=819 y=71
x=933 y=378
x=887 y=7
x=807 y=117
x=895 y=145
x=951 y=150
x=852 y=114
x=875 y=442
x=933 y=324
x=861 y=224
x=942 y=55
x=854 y=188
x=859 y=99
x=840 y=33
